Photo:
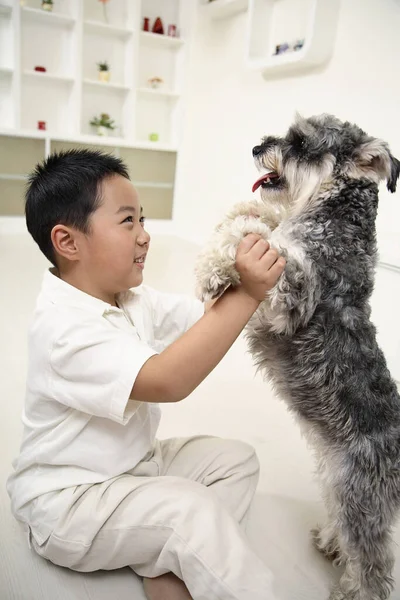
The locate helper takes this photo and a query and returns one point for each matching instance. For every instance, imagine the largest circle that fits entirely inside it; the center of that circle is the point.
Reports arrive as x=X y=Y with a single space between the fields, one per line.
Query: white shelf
x=116 y=142
x=161 y=93
x=110 y=86
x=221 y=9
x=319 y=38
x=151 y=184
x=9 y=177
x=51 y=77
x=105 y=28
x=50 y=18
x=160 y=40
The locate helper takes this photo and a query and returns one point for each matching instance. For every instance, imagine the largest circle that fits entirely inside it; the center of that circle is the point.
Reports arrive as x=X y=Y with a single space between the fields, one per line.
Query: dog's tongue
x=260 y=180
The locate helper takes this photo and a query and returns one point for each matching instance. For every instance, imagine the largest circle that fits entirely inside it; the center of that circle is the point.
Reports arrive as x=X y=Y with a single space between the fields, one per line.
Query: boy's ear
x=64 y=242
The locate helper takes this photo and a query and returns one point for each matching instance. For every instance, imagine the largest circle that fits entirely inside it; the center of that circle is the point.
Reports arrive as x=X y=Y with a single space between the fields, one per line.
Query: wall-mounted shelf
x=319 y=18
x=48 y=77
x=50 y=18
x=109 y=86
x=221 y=9
x=160 y=41
x=158 y=93
x=106 y=29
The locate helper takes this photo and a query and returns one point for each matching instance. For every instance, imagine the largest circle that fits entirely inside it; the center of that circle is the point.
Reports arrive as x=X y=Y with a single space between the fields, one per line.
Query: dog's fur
x=313 y=338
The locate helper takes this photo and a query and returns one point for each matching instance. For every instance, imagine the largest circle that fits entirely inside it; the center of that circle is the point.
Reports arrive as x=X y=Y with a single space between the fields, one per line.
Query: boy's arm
x=180 y=368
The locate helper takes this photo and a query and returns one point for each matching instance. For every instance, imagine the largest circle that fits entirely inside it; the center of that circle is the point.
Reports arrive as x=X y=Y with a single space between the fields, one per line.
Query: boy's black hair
x=66 y=189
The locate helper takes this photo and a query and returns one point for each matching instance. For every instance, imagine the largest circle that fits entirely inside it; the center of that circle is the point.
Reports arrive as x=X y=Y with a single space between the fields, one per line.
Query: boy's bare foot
x=165 y=587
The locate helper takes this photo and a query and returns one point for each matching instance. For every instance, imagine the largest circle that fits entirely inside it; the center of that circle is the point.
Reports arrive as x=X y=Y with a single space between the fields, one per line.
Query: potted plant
x=47 y=5
x=155 y=82
x=103 y=124
x=104 y=71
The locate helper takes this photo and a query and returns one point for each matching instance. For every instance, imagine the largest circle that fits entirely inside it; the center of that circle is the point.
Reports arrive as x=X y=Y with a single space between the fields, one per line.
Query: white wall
x=229 y=108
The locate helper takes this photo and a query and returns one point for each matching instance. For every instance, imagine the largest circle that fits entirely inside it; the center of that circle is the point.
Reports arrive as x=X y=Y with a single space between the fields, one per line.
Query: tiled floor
x=232 y=402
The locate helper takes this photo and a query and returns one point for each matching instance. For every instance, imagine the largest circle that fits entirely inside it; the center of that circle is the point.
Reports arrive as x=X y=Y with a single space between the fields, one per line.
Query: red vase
x=146 y=24
x=158 y=26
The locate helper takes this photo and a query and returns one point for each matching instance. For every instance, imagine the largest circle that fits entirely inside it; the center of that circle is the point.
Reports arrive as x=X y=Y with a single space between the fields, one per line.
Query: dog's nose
x=257 y=150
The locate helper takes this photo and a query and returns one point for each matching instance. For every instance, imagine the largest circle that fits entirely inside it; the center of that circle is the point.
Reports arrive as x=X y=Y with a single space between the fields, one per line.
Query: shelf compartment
x=18 y=155
x=54 y=107
x=5 y=9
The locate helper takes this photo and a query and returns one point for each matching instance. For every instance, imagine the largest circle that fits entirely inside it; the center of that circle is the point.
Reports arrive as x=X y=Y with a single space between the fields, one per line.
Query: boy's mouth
x=140 y=260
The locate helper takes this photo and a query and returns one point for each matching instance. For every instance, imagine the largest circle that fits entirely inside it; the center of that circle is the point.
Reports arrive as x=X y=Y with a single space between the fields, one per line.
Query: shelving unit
x=69 y=42
x=273 y=22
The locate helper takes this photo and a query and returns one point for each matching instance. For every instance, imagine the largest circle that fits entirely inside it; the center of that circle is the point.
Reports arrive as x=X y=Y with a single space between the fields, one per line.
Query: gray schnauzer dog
x=312 y=336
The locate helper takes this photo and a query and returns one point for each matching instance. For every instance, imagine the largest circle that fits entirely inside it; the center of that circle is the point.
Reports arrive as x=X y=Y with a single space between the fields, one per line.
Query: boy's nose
x=144 y=238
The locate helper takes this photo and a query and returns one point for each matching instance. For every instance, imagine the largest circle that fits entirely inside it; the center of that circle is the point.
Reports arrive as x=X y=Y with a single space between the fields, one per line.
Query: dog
x=312 y=336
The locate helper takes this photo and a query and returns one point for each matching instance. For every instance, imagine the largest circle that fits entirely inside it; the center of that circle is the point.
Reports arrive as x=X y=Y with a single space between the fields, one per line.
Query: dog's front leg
x=292 y=301
x=215 y=268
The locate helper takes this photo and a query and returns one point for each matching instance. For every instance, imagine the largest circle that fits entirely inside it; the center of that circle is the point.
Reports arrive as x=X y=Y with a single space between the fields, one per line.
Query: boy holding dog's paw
x=92 y=483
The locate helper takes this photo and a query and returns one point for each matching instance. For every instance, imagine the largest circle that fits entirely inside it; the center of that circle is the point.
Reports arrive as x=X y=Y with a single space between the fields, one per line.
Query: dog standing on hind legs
x=312 y=337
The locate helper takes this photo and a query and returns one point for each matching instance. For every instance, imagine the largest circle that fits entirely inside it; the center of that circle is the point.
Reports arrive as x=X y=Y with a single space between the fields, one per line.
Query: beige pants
x=179 y=510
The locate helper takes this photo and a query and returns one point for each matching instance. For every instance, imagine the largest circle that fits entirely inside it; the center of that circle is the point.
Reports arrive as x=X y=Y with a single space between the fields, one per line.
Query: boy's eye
x=128 y=220
x=142 y=221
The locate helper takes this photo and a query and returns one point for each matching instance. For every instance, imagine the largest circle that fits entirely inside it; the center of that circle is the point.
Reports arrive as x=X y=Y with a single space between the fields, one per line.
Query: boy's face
x=114 y=251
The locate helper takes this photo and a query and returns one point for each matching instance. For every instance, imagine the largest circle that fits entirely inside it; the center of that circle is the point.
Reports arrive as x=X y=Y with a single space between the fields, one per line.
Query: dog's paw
x=338 y=594
x=214 y=285
x=328 y=546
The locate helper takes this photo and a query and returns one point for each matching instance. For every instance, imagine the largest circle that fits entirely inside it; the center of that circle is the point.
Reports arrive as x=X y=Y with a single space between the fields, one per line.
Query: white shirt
x=80 y=426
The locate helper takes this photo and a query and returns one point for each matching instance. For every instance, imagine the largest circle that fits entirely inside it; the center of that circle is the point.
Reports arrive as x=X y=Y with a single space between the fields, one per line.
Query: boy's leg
x=165 y=587
x=230 y=468
x=158 y=525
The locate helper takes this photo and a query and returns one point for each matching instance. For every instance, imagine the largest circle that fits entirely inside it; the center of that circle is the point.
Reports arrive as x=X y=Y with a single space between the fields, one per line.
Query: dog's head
x=298 y=169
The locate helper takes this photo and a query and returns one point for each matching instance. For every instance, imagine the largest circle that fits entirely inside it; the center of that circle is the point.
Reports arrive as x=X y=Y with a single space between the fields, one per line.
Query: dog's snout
x=257 y=150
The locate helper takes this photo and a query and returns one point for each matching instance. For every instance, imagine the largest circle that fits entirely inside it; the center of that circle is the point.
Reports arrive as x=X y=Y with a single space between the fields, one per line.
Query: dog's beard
x=302 y=184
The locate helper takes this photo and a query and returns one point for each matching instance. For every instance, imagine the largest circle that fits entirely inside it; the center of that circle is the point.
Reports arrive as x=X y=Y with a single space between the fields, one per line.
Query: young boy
x=92 y=483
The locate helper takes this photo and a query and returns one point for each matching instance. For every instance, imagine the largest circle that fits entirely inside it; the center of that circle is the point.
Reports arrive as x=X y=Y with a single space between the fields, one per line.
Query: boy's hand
x=258 y=265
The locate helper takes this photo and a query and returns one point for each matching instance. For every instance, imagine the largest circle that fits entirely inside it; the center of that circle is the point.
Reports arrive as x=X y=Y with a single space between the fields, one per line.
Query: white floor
x=233 y=402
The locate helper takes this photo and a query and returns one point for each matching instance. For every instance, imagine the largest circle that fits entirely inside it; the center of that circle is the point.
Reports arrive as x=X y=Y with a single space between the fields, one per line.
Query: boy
x=92 y=483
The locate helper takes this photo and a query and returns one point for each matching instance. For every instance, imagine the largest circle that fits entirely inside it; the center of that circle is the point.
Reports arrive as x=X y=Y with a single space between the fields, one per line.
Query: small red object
x=42 y=125
x=146 y=24
x=158 y=26
x=172 y=30
x=40 y=69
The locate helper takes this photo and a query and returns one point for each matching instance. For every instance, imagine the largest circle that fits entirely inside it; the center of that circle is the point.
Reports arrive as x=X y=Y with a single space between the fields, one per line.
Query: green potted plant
x=47 y=5
x=103 y=124
x=104 y=71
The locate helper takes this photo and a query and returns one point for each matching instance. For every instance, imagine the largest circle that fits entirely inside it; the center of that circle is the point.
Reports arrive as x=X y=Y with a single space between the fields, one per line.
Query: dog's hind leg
x=365 y=517
x=326 y=541
x=326 y=538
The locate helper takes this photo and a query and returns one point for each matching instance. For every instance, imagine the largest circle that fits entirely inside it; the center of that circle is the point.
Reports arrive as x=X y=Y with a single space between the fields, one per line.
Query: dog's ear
x=373 y=160
x=394 y=174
